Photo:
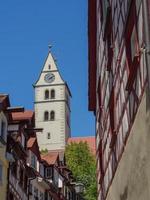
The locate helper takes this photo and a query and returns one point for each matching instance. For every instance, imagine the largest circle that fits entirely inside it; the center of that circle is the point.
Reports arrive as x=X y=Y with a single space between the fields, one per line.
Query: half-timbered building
x=118 y=93
x=19 y=172
x=4 y=163
x=33 y=175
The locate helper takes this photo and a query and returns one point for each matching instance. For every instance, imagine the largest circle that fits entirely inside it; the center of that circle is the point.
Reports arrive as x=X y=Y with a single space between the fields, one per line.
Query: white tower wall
x=55 y=132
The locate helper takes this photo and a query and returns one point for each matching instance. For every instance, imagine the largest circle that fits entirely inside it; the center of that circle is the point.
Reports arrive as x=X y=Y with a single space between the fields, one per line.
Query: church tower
x=52 y=107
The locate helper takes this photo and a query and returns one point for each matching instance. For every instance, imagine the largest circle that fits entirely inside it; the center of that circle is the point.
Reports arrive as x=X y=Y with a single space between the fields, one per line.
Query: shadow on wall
x=124 y=196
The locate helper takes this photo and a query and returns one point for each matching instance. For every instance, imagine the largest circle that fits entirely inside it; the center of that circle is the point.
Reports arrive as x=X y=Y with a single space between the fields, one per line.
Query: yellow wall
x=4 y=162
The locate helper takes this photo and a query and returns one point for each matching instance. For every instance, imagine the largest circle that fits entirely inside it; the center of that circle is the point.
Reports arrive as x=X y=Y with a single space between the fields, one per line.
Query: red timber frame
x=120 y=87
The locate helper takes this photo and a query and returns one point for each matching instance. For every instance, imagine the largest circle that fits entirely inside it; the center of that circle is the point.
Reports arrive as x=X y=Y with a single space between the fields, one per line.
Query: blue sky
x=26 y=29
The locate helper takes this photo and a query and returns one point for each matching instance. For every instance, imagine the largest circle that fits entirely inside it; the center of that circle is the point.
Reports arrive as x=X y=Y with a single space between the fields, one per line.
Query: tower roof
x=90 y=141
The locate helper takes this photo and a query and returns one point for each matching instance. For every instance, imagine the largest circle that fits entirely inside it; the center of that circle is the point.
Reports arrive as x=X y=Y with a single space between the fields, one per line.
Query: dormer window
x=49 y=172
x=46 y=94
x=46 y=116
x=52 y=115
x=53 y=94
x=49 y=66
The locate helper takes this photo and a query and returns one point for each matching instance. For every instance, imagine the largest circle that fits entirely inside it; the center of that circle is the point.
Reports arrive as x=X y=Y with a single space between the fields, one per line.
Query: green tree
x=82 y=163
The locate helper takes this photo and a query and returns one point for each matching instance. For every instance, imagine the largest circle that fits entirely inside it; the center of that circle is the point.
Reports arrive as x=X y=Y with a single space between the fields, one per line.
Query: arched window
x=46 y=94
x=48 y=136
x=46 y=116
x=52 y=115
x=52 y=94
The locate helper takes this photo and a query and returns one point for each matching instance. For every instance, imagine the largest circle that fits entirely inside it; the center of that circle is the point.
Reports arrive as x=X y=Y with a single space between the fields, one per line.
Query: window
x=46 y=94
x=48 y=136
x=14 y=168
x=25 y=183
x=3 y=129
x=132 y=45
x=112 y=111
x=21 y=177
x=99 y=97
x=49 y=172
x=49 y=66
x=112 y=118
x=30 y=189
x=101 y=161
x=47 y=196
x=33 y=161
x=41 y=196
x=52 y=115
x=1 y=173
x=52 y=94
x=105 y=14
x=36 y=193
x=46 y=116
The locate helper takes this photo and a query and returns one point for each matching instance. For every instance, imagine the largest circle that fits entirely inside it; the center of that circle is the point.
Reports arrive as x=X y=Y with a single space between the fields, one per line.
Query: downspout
x=146 y=23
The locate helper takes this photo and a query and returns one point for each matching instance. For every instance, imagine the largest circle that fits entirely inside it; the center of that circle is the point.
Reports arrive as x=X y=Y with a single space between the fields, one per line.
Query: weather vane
x=49 y=46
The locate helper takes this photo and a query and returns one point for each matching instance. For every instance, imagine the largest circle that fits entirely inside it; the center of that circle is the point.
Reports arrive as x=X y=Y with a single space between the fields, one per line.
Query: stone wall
x=132 y=178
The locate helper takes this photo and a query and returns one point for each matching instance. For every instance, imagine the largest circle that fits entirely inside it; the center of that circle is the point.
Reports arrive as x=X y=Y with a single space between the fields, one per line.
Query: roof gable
x=33 y=146
x=51 y=157
x=49 y=67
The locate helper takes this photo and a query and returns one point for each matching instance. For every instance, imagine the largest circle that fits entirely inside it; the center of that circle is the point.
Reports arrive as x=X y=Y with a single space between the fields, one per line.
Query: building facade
x=4 y=164
x=52 y=107
x=32 y=175
x=119 y=97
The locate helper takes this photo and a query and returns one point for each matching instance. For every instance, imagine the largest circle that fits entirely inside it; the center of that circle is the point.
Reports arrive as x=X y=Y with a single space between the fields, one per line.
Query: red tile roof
x=26 y=115
x=90 y=141
x=32 y=144
x=50 y=157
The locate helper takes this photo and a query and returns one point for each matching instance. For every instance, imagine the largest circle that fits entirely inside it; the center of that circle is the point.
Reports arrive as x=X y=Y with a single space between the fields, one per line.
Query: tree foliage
x=83 y=166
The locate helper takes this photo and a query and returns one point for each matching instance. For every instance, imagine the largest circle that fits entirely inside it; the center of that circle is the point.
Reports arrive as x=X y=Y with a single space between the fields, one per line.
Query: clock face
x=49 y=77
